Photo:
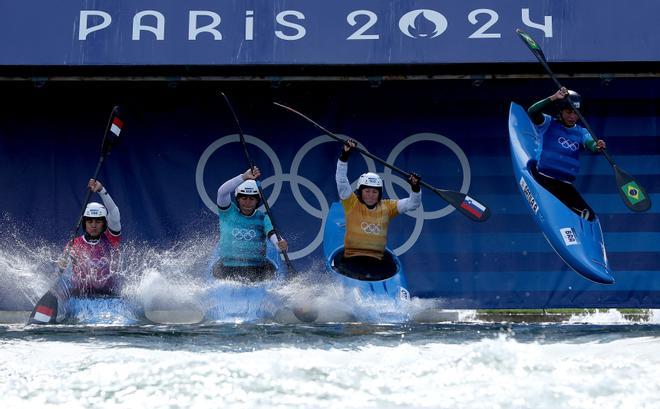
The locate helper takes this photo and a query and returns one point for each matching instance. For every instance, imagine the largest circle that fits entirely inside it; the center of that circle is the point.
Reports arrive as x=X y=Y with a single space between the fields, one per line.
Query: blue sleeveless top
x=242 y=238
x=558 y=155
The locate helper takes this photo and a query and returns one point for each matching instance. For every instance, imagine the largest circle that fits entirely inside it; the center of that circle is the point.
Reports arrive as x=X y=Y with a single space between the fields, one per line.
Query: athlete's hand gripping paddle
x=302 y=313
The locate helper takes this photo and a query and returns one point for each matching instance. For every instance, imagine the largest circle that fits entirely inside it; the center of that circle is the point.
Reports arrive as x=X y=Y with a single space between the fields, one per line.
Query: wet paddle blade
x=465 y=204
x=112 y=131
x=45 y=312
x=531 y=44
x=632 y=193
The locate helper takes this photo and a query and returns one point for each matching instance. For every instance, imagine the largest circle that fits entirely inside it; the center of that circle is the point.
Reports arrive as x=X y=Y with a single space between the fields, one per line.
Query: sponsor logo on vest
x=569 y=236
x=528 y=195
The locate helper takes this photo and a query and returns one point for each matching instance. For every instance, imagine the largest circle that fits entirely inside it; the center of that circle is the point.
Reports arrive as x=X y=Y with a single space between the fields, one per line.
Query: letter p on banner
x=84 y=29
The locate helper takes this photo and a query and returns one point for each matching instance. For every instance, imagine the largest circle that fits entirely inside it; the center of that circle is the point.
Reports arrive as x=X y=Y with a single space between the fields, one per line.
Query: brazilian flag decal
x=633 y=192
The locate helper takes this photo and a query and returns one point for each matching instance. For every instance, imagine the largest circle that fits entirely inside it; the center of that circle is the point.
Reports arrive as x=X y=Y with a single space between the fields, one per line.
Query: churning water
x=458 y=365
x=589 y=361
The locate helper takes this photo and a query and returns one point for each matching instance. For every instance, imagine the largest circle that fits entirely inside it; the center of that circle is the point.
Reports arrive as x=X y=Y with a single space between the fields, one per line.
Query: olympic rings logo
x=243 y=234
x=371 y=228
x=567 y=144
x=97 y=264
x=296 y=180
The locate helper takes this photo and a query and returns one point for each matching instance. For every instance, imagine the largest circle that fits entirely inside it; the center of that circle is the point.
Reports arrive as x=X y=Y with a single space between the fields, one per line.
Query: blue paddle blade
x=45 y=312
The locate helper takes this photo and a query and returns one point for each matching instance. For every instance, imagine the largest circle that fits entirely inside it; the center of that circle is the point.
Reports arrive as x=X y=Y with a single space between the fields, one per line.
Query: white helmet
x=95 y=210
x=247 y=188
x=370 y=179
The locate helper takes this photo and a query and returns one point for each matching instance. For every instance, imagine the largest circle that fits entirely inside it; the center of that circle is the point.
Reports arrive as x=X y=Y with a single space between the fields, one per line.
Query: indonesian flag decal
x=472 y=206
x=43 y=314
x=116 y=126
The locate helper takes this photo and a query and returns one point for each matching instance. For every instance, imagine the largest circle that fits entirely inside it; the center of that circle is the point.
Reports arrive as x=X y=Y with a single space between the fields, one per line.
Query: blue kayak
x=378 y=299
x=236 y=301
x=576 y=236
x=102 y=311
x=233 y=301
x=64 y=308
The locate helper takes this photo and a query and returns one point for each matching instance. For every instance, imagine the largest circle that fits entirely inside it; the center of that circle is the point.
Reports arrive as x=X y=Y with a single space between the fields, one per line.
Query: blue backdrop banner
x=301 y=32
x=180 y=143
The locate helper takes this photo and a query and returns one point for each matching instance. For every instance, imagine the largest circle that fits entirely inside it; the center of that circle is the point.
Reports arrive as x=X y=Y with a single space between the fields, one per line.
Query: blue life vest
x=558 y=155
x=242 y=238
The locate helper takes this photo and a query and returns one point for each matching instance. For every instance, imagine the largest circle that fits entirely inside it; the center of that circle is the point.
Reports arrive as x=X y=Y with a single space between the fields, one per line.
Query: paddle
x=631 y=191
x=304 y=314
x=261 y=193
x=45 y=311
x=465 y=204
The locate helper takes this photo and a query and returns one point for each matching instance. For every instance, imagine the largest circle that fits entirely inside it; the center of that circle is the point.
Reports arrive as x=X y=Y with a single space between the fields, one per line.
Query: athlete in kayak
x=95 y=256
x=241 y=250
x=368 y=216
x=558 y=153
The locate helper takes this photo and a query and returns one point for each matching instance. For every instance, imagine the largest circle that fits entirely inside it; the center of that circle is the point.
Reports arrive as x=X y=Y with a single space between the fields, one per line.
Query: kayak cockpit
x=364 y=270
x=564 y=192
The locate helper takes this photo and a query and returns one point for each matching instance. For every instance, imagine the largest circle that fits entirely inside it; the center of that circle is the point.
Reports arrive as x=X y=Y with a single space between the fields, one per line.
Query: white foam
x=488 y=373
x=611 y=316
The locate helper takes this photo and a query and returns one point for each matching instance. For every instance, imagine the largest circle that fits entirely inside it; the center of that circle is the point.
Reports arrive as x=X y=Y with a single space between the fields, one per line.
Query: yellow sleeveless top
x=366 y=229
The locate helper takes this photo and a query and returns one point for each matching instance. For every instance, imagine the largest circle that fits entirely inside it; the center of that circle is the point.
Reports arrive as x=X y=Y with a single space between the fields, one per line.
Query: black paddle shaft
x=455 y=199
x=106 y=146
x=261 y=193
x=49 y=301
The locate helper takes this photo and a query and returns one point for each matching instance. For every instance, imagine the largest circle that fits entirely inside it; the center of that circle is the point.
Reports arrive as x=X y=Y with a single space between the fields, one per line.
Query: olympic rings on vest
x=243 y=234
x=371 y=228
x=567 y=144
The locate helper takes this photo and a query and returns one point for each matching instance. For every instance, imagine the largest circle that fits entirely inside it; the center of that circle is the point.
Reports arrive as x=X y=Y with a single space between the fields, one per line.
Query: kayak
x=232 y=301
x=237 y=301
x=57 y=306
x=100 y=311
x=155 y=302
x=576 y=237
x=380 y=299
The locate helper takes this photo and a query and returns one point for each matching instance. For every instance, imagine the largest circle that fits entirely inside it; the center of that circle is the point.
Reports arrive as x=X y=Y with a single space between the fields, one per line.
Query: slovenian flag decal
x=43 y=314
x=116 y=125
x=472 y=206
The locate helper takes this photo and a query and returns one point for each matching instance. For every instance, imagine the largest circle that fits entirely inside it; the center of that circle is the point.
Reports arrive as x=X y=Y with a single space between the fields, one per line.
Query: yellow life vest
x=366 y=229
